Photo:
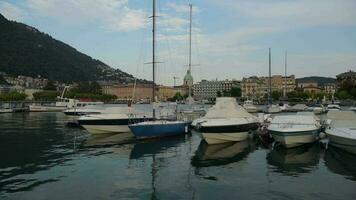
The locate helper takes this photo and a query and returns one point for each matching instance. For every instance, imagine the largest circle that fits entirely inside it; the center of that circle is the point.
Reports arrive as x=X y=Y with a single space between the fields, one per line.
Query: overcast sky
x=230 y=37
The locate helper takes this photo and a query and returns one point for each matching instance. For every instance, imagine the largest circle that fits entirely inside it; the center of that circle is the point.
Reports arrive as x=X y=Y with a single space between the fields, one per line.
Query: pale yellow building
x=165 y=92
x=129 y=91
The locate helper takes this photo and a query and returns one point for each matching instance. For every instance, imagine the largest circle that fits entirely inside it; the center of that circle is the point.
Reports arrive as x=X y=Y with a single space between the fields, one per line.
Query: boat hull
x=346 y=144
x=294 y=139
x=236 y=128
x=227 y=133
x=106 y=129
x=106 y=126
x=146 y=131
x=46 y=109
x=219 y=138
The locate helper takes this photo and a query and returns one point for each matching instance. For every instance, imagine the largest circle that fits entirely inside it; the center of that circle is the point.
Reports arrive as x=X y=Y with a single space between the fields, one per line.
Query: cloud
x=10 y=11
x=302 y=13
x=181 y=8
x=112 y=15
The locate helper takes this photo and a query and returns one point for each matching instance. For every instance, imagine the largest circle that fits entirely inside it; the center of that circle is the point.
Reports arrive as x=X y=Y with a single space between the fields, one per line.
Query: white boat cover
x=299 y=107
x=342 y=119
x=227 y=107
x=294 y=119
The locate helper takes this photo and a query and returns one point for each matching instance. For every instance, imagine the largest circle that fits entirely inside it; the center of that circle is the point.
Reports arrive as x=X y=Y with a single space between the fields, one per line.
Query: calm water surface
x=41 y=158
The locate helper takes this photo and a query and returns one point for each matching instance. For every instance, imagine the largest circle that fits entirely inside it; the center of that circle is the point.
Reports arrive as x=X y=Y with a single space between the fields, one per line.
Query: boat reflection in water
x=341 y=162
x=220 y=154
x=295 y=161
x=104 y=140
x=156 y=146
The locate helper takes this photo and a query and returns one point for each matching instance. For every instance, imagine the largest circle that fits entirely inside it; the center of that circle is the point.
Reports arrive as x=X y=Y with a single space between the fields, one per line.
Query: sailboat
x=157 y=127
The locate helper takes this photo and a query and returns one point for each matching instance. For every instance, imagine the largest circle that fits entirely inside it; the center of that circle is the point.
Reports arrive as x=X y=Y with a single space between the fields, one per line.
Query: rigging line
x=165 y=35
x=196 y=36
x=139 y=61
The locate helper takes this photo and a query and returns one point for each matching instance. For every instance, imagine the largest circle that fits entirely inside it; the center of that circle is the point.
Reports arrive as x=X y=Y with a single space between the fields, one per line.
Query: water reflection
x=341 y=162
x=220 y=154
x=30 y=144
x=294 y=161
x=151 y=147
x=105 y=140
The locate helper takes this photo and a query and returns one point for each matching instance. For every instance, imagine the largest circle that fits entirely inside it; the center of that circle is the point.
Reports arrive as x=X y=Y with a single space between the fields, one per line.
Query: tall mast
x=269 y=77
x=153 y=53
x=285 y=75
x=190 y=37
x=153 y=48
x=190 y=46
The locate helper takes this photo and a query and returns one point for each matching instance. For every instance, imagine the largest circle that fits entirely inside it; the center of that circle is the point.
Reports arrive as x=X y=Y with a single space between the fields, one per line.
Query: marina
x=160 y=99
x=41 y=158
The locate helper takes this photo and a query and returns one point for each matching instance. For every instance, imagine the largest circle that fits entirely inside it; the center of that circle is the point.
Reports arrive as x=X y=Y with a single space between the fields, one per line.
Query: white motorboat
x=273 y=109
x=83 y=111
x=342 y=130
x=294 y=130
x=334 y=107
x=285 y=107
x=111 y=123
x=6 y=110
x=318 y=109
x=226 y=121
x=249 y=107
x=299 y=107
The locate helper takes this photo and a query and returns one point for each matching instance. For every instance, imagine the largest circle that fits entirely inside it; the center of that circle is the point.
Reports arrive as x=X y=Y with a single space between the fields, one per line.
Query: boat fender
x=322 y=135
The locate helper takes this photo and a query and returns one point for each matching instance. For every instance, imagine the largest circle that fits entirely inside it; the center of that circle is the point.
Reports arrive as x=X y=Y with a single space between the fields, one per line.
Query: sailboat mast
x=153 y=56
x=285 y=75
x=269 y=77
x=190 y=37
x=190 y=46
x=153 y=49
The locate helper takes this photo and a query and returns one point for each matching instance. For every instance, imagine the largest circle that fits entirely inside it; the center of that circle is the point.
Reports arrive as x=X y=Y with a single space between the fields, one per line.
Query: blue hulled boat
x=158 y=128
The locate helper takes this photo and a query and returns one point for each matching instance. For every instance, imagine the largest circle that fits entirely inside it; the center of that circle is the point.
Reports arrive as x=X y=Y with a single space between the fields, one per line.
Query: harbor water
x=42 y=158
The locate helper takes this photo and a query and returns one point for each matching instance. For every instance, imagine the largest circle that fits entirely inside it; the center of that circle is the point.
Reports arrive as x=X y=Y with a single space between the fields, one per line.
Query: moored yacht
x=342 y=130
x=334 y=107
x=226 y=121
x=294 y=130
x=273 y=109
x=249 y=107
x=112 y=122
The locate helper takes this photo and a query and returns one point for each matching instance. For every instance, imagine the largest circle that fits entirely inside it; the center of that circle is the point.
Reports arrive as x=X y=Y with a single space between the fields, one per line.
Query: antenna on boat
x=269 y=77
x=285 y=75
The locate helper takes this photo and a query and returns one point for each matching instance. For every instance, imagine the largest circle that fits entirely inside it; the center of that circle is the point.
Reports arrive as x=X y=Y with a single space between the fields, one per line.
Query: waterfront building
x=165 y=92
x=253 y=87
x=307 y=84
x=142 y=91
x=349 y=76
x=181 y=89
x=330 y=88
x=257 y=87
x=278 y=83
x=208 y=90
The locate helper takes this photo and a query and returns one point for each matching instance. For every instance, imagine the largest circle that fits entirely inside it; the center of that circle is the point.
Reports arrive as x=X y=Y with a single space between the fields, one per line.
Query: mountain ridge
x=24 y=50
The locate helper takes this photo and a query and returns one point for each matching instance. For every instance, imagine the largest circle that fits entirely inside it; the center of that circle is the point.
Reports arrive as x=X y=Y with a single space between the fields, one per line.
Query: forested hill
x=320 y=80
x=24 y=50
